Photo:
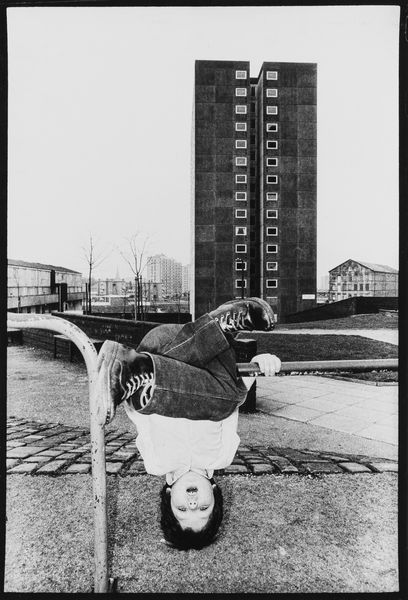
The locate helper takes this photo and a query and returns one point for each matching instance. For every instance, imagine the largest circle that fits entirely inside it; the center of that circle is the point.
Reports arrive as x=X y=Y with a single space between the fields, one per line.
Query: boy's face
x=192 y=500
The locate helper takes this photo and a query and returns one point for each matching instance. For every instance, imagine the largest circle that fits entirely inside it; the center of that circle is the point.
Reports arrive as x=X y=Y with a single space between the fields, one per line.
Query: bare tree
x=94 y=259
x=124 y=292
x=135 y=256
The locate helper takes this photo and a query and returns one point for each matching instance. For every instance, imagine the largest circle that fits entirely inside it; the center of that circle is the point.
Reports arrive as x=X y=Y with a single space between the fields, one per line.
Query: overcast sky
x=100 y=114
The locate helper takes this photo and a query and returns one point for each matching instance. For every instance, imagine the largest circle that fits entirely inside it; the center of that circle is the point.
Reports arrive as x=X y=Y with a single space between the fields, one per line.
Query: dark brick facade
x=255 y=184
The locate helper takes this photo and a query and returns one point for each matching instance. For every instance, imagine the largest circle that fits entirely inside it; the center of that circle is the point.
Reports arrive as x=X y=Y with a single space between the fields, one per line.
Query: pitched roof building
x=358 y=278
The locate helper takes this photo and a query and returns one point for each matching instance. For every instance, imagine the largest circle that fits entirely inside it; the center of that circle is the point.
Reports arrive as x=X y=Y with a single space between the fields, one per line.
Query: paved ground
x=359 y=409
x=52 y=449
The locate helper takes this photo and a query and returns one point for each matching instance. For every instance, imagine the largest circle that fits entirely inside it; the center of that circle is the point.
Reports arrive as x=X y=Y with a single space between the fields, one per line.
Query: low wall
x=180 y=318
x=41 y=338
x=107 y=328
x=344 y=308
x=101 y=328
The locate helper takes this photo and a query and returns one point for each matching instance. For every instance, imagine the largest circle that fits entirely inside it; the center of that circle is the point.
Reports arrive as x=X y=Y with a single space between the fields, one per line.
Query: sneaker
x=247 y=314
x=123 y=374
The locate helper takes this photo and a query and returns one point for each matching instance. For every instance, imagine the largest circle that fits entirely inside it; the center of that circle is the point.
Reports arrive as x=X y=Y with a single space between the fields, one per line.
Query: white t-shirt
x=173 y=446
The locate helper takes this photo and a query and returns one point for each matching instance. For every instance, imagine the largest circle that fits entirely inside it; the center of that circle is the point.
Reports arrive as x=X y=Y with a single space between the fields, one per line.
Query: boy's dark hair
x=184 y=539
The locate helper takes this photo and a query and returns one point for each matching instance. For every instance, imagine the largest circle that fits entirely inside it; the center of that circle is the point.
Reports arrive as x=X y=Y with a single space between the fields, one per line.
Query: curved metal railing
x=97 y=430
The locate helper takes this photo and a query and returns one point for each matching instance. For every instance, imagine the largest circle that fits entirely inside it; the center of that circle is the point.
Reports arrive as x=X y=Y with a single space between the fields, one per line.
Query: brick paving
x=53 y=449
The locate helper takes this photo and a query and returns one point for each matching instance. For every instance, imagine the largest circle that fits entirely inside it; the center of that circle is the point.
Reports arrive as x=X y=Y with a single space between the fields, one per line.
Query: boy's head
x=191 y=511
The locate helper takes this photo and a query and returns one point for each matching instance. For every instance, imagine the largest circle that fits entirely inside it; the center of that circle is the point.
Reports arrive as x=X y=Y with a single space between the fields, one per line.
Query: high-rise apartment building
x=254 y=184
x=185 y=279
x=167 y=271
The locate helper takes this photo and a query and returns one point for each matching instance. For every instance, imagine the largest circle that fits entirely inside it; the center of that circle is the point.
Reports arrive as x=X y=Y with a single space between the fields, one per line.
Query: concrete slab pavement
x=368 y=412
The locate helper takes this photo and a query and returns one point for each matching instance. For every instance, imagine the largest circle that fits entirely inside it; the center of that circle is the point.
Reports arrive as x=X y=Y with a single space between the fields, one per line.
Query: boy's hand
x=269 y=364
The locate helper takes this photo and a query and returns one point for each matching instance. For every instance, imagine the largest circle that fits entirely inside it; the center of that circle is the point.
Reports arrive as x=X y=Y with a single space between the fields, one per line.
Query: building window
x=240 y=230
x=271 y=145
x=241 y=161
x=240 y=178
x=240 y=265
x=271 y=231
x=271 y=283
x=271 y=196
x=271 y=248
x=271 y=127
x=271 y=214
x=272 y=179
x=240 y=74
x=240 y=248
x=271 y=266
x=240 y=283
x=367 y=286
x=271 y=162
x=240 y=213
x=240 y=196
x=240 y=91
x=240 y=144
x=272 y=92
x=240 y=109
x=271 y=110
x=240 y=126
x=272 y=75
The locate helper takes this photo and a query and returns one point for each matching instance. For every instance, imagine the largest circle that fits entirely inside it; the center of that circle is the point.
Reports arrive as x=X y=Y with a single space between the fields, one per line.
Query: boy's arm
x=269 y=365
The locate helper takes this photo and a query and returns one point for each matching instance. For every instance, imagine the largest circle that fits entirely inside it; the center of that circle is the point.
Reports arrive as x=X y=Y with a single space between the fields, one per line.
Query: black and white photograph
x=202 y=299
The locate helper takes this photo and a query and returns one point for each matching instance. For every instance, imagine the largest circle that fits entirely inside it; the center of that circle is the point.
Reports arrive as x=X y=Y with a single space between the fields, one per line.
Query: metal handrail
x=247 y=369
x=97 y=431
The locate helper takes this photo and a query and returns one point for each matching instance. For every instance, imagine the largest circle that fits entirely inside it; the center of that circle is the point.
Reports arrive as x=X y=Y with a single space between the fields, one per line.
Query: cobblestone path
x=53 y=449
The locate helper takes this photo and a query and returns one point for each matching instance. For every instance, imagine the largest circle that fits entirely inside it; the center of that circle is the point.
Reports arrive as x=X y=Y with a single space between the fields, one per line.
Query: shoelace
x=235 y=321
x=135 y=382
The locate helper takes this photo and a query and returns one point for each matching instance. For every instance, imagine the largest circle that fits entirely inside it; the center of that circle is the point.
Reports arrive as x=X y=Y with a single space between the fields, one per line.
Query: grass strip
x=370 y=321
x=294 y=347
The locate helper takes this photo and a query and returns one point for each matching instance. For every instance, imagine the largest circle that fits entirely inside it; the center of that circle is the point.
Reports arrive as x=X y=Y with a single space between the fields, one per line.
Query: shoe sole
x=263 y=304
x=106 y=358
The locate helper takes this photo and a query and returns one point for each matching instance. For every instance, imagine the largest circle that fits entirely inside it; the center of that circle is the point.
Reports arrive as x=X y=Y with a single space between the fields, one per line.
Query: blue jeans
x=195 y=371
